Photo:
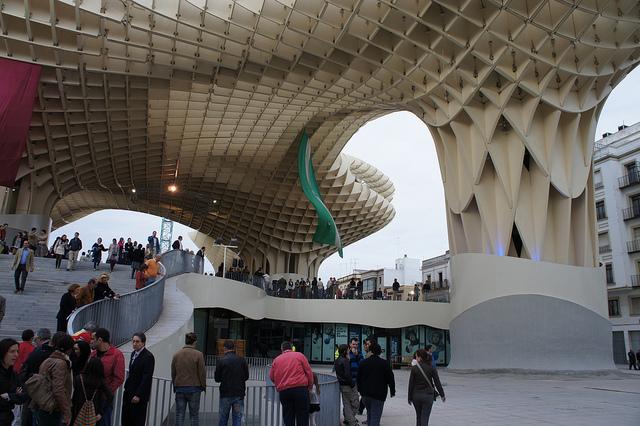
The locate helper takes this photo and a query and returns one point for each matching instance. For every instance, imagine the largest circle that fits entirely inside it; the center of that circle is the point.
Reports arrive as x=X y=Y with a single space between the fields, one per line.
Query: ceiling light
x=133 y=190
x=172 y=187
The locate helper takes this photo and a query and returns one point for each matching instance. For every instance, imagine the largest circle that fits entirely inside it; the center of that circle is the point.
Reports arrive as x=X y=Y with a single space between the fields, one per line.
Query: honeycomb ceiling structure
x=212 y=95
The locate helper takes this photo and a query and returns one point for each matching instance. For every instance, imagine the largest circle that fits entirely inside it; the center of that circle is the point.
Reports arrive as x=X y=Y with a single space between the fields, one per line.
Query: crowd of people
x=71 y=380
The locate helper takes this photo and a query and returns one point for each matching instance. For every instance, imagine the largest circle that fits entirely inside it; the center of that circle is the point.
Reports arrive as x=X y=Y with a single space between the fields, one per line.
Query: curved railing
x=138 y=310
x=261 y=402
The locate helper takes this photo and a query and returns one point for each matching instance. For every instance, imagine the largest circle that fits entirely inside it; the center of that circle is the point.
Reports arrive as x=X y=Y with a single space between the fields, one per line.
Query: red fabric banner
x=18 y=89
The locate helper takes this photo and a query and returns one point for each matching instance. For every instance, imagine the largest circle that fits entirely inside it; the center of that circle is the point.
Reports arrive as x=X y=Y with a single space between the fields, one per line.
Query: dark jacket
x=96 y=251
x=9 y=383
x=102 y=396
x=140 y=376
x=231 y=372
x=75 y=244
x=374 y=375
x=67 y=305
x=103 y=291
x=32 y=365
x=632 y=357
x=176 y=245
x=137 y=255
x=419 y=387
x=343 y=371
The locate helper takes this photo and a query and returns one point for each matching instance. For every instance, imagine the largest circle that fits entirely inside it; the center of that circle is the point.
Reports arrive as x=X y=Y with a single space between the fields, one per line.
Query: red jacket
x=113 y=363
x=24 y=349
x=291 y=370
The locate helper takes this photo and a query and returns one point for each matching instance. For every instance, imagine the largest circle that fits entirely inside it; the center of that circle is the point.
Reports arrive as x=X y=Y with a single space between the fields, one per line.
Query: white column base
x=511 y=313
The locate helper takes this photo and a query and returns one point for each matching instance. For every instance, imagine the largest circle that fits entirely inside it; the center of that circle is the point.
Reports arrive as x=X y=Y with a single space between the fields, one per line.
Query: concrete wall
x=510 y=313
x=252 y=302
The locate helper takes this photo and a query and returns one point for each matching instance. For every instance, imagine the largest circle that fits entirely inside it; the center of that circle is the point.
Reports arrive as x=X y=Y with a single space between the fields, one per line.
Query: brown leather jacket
x=84 y=296
x=187 y=368
x=58 y=369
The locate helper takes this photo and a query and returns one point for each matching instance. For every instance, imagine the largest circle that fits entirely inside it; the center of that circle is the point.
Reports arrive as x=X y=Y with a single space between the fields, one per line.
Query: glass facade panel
x=329 y=346
x=318 y=342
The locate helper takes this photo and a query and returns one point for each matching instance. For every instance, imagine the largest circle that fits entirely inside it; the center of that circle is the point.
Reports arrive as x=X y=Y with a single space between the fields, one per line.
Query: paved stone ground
x=520 y=399
x=39 y=304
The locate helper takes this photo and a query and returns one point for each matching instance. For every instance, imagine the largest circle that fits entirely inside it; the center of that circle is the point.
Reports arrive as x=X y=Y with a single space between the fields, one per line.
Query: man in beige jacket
x=189 y=379
x=23 y=264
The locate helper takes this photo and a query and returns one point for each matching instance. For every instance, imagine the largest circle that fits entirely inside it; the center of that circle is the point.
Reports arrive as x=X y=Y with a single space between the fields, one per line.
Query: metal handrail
x=631 y=212
x=633 y=246
x=258 y=367
x=138 y=310
x=261 y=403
x=629 y=179
x=604 y=249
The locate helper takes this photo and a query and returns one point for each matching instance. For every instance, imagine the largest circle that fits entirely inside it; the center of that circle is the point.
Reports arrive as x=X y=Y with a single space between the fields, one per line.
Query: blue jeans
x=192 y=399
x=236 y=405
x=374 y=410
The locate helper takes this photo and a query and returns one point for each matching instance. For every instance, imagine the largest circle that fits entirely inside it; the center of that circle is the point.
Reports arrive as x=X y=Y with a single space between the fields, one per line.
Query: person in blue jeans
x=189 y=379
x=232 y=373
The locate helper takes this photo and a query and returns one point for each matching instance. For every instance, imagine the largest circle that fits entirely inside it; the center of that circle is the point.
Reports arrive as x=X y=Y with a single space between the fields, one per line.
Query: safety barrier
x=138 y=310
x=261 y=403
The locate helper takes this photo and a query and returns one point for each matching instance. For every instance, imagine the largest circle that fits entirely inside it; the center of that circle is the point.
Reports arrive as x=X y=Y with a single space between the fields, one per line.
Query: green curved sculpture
x=326 y=231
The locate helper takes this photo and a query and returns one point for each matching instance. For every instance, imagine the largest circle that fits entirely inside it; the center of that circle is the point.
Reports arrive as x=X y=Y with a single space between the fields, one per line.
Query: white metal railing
x=124 y=316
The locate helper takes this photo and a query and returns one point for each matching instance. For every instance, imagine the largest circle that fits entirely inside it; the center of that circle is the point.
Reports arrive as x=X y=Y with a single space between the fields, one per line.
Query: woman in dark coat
x=80 y=356
x=90 y=383
x=67 y=306
x=11 y=392
x=422 y=382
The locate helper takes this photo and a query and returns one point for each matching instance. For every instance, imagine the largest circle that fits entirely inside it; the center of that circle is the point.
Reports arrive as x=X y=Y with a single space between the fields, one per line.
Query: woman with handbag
x=90 y=394
x=60 y=249
x=423 y=382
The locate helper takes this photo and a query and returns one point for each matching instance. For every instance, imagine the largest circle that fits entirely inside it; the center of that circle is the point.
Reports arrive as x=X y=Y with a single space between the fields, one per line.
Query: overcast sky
x=401 y=147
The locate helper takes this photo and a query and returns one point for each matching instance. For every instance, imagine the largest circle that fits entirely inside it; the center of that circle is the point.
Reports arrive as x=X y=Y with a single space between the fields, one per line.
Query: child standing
x=314 y=402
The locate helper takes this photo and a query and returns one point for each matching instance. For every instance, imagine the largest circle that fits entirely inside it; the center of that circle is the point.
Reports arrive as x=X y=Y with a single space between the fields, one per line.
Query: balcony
x=629 y=179
x=633 y=246
x=607 y=249
x=631 y=212
x=635 y=280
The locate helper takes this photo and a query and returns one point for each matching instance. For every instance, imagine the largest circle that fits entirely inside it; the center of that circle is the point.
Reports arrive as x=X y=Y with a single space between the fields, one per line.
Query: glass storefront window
x=318 y=342
x=329 y=346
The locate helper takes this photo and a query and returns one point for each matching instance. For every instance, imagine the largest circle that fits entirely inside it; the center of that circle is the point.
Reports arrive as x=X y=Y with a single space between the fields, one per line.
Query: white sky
x=401 y=147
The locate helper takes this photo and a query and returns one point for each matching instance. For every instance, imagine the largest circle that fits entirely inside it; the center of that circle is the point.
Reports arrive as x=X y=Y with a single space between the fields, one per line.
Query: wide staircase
x=38 y=305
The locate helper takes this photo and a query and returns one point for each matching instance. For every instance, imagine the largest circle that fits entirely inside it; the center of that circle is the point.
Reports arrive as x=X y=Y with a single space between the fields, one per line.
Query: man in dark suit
x=137 y=387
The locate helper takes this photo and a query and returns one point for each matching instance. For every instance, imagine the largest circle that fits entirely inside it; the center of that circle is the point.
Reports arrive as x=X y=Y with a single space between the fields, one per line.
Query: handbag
x=39 y=390
x=87 y=414
x=435 y=392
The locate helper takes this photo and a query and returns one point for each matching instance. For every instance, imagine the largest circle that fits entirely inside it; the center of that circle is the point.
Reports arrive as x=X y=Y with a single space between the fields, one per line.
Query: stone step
x=39 y=304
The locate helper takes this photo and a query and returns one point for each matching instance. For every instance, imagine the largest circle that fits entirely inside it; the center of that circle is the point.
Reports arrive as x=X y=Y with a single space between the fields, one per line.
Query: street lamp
x=233 y=243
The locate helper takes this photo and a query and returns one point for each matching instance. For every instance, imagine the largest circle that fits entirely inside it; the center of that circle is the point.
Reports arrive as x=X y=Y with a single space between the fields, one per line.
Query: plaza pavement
x=39 y=304
x=611 y=399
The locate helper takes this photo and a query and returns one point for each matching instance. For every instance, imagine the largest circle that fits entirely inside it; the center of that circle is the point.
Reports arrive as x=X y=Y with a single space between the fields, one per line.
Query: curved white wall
x=252 y=302
x=478 y=278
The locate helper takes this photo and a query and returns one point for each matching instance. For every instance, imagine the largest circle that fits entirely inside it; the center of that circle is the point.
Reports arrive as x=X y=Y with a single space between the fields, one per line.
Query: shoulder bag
x=435 y=392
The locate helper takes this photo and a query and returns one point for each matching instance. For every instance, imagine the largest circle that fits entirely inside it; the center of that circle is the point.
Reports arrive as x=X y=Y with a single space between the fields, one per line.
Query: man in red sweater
x=113 y=362
x=24 y=349
x=292 y=375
